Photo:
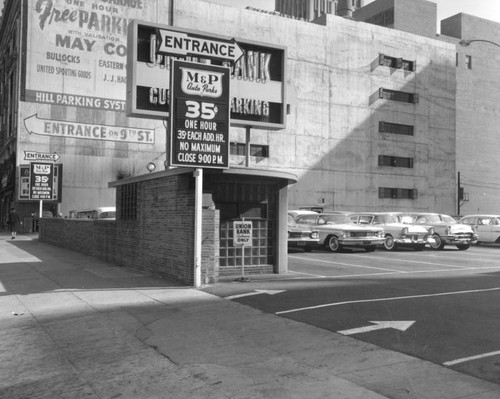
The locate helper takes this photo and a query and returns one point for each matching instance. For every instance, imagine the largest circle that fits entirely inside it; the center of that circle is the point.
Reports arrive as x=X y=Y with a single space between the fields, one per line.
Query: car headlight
x=447 y=231
x=346 y=234
x=314 y=235
x=404 y=231
x=431 y=231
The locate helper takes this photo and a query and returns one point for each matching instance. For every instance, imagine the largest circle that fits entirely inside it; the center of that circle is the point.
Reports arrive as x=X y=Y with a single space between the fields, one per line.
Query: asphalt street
x=441 y=306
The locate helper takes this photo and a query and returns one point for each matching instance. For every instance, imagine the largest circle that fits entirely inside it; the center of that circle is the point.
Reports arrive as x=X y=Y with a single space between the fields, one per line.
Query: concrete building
x=370 y=111
x=478 y=110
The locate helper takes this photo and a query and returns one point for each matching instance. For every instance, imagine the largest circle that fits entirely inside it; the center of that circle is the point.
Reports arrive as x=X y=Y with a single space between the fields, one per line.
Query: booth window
x=128 y=202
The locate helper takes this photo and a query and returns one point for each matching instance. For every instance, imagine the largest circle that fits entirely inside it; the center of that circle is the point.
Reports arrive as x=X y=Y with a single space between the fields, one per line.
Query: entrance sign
x=41 y=156
x=242 y=233
x=41 y=181
x=177 y=43
x=257 y=76
x=200 y=115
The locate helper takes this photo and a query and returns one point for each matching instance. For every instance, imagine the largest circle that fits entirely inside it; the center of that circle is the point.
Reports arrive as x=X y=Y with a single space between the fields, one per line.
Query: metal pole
x=198 y=175
x=458 y=195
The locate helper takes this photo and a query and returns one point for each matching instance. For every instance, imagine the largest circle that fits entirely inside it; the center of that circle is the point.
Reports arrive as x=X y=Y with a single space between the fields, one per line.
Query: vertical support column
x=281 y=264
x=247 y=146
x=198 y=176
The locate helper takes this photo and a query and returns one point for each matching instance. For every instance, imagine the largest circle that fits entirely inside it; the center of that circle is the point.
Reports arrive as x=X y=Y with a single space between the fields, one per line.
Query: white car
x=337 y=231
x=487 y=227
x=444 y=230
x=396 y=233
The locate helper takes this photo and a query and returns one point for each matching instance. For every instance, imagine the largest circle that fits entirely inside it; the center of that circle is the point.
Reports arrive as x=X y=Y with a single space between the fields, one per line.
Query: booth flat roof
x=269 y=173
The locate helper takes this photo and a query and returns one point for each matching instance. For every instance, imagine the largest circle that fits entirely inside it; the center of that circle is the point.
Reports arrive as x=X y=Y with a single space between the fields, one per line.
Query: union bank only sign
x=256 y=73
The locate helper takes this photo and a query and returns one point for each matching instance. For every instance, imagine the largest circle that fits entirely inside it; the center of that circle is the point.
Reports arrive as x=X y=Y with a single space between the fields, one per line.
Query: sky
x=488 y=9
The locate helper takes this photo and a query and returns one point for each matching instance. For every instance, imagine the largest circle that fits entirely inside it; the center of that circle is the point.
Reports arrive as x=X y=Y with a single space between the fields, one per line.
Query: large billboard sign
x=257 y=72
x=200 y=115
x=76 y=51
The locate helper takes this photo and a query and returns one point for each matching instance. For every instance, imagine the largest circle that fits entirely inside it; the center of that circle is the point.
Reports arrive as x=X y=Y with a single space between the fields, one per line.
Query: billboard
x=257 y=76
x=76 y=51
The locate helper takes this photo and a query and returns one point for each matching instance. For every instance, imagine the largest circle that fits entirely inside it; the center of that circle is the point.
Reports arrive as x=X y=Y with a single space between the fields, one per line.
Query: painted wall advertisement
x=200 y=117
x=76 y=53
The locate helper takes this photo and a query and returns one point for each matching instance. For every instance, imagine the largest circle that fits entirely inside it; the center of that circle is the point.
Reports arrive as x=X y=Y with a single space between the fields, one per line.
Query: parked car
x=396 y=233
x=487 y=227
x=103 y=212
x=337 y=231
x=444 y=230
x=301 y=236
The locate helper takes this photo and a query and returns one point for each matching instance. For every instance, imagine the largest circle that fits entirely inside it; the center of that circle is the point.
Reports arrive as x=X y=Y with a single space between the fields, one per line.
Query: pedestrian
x=13 y=222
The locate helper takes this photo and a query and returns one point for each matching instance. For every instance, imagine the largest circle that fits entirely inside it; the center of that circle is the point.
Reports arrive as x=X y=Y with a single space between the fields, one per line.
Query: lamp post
x=466 y=43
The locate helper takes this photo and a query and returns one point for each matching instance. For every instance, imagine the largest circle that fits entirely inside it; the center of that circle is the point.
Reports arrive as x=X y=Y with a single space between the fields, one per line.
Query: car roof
x=481 y=215
x=297 y=212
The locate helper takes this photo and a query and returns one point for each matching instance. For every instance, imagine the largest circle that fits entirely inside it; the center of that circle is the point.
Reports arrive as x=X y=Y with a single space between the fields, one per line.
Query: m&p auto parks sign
x=200 y=115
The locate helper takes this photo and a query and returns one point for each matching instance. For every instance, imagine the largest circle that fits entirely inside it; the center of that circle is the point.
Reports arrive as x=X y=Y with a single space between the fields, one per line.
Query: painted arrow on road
x=256 y=292
x=379 y=325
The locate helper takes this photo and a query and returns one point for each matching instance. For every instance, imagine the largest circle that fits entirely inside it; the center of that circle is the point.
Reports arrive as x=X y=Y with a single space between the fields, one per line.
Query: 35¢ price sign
x=41 y=181
x=200 y=115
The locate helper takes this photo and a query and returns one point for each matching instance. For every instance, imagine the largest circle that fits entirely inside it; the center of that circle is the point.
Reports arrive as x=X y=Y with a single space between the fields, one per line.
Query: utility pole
x=460 y=194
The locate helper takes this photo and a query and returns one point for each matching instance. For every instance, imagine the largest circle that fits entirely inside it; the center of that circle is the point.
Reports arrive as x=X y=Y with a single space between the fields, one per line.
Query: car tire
x=438 y=243
x=333 y=244
x=463 y=247
x=419 y=247
x=389 y=243
x=370 y=248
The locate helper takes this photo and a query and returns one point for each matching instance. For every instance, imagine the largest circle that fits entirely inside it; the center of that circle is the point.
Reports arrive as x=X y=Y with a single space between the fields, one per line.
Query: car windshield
x=291 y=222
x=334 y=219
x=448 y=219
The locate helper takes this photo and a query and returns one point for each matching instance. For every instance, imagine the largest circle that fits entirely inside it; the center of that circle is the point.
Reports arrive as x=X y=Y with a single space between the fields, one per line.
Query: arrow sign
x=40 y=156
x=256 y=292
x=182 y=44
x=77 y=130
x=379 y=325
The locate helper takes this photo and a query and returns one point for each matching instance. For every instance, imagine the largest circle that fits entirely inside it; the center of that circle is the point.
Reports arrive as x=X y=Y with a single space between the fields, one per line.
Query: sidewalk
x=72 y=326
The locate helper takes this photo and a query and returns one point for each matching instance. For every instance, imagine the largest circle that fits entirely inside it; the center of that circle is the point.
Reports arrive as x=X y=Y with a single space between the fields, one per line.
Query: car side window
x=306 y=220
x=365 y=219
x=495 y=222
x=378 y=220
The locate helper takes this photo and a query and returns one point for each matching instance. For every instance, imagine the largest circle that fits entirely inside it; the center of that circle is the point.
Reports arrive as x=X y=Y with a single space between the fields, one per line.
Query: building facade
x=370 y=110
x=478 y=111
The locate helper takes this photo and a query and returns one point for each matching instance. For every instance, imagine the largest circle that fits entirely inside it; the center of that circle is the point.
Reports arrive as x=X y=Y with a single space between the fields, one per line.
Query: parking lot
x=441 y=306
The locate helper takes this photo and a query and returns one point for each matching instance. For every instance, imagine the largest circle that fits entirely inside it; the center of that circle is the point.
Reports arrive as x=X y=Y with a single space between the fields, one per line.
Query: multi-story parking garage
x=370 y=117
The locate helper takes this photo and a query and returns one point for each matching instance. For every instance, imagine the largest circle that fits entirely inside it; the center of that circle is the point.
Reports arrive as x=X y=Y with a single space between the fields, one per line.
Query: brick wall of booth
x=154 y=230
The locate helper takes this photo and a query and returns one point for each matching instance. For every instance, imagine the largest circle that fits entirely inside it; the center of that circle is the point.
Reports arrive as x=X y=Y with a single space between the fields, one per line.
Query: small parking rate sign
x=242 y=234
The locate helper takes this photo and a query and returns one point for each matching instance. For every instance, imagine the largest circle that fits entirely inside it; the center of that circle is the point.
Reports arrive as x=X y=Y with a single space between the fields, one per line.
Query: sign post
x=41 y=183
x=242 y=237
x=199 y=129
